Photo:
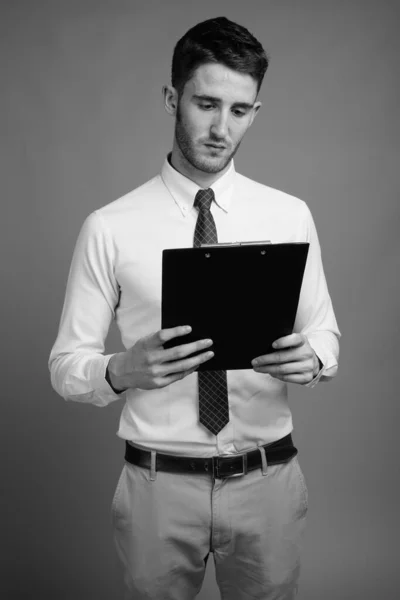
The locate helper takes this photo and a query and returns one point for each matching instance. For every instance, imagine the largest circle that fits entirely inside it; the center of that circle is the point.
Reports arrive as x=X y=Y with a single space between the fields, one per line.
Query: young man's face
x=214 y=112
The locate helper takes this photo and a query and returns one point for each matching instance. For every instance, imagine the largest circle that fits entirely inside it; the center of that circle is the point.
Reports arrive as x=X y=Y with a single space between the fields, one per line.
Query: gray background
x=82 y=123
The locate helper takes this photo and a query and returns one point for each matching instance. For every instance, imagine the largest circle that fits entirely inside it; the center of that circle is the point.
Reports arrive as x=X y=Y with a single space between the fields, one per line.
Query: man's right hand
x=148 y=365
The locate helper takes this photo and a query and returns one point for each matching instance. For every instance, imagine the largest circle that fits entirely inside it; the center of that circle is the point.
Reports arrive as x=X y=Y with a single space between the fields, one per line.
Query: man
x=192 y=484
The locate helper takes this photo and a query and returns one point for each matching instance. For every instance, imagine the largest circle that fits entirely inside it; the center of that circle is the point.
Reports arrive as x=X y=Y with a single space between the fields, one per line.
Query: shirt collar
x=184 y=190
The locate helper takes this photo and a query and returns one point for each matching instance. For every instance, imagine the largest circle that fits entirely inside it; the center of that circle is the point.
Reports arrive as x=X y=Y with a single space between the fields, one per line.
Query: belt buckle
x=217 y=474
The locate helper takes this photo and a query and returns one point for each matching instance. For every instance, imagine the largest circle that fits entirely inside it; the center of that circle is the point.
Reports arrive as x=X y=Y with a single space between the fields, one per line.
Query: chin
x=212 y=167
x=208 y=165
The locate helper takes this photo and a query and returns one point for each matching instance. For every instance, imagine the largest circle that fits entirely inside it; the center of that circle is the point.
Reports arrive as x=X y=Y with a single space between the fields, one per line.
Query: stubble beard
x=188 y=150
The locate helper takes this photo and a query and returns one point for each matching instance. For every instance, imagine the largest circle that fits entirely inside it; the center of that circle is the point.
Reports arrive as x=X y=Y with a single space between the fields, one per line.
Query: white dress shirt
x=116 y=273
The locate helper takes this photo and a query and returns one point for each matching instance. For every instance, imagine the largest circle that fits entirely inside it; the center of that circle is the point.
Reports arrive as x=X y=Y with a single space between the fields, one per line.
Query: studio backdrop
x=82 y=123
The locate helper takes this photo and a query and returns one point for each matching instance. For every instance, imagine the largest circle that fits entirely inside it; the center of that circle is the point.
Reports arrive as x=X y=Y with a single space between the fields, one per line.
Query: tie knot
x=203 y=199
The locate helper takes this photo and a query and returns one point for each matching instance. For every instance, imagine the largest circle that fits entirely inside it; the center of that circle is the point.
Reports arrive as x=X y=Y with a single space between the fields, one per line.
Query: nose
x=219 y=127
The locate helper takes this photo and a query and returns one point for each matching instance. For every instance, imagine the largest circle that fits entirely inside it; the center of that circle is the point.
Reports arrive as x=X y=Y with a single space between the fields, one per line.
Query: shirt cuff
x=104 y=391
x=108 y=379
x=326 y=347
x=318 y=376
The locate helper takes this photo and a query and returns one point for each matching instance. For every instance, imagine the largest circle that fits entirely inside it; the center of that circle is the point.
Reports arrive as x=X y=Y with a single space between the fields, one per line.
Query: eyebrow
x=218 y=101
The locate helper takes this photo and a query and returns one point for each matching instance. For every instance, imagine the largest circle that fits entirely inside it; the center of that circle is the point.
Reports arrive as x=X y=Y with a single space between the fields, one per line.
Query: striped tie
x=213 y=391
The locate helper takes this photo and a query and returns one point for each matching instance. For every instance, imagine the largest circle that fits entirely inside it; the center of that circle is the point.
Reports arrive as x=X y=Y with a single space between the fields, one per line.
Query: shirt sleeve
x=77 y=364
x=315 y=317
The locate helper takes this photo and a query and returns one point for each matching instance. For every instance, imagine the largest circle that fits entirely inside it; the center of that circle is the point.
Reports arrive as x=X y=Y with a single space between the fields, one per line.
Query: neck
x=180 y=164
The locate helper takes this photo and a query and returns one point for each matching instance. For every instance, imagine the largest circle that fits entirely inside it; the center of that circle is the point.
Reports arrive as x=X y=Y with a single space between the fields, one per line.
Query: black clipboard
x=242 y=296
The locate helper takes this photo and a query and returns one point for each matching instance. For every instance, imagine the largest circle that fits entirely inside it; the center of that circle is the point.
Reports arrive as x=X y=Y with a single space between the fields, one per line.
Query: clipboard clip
x=235 y=244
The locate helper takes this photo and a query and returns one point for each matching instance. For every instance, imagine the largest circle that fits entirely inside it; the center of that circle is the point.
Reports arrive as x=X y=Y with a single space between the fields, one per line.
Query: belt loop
x=153 y=472
x=264 y=463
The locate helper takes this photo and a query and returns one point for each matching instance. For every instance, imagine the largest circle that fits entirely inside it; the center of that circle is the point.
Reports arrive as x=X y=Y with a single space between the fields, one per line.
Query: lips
x=216 y=146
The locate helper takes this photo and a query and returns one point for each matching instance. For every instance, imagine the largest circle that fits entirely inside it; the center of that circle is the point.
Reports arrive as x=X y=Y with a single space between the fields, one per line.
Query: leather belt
x=219 y=466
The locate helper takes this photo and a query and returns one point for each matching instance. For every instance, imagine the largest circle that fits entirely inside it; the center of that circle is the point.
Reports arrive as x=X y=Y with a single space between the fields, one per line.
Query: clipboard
x=243 y=296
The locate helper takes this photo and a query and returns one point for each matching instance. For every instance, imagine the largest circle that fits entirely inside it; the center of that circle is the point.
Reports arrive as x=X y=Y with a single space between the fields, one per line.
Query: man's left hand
x=294 y=361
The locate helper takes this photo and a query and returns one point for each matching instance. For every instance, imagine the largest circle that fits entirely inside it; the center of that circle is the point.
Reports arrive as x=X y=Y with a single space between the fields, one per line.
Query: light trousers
x=164 y=530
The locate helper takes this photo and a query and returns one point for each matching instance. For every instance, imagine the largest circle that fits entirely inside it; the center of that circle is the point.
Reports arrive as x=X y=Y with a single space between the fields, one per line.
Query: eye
x=206 y=106
x=239 y=113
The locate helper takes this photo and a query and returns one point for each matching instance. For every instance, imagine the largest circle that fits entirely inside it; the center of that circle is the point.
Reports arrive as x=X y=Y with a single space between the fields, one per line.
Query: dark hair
x=218 y=41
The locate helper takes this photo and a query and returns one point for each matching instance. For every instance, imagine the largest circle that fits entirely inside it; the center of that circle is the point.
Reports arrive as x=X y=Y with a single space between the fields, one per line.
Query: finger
x=282 y=356
x=284 y=369
x=159 y=338
x=175 y=377
x=184 y=350
x=182 y=374
x=301 y=378
x=290 y=341
x=179 y=366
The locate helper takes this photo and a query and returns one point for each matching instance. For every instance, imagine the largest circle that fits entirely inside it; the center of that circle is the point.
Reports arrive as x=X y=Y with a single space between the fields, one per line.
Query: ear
x=170 y=96
x=256 y=108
